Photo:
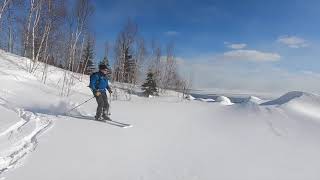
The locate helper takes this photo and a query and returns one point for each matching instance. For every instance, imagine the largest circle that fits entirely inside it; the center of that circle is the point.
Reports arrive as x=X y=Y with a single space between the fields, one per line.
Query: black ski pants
x=103 y=105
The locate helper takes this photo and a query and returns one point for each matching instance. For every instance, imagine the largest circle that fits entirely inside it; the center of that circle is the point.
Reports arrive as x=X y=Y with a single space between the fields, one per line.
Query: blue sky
x=279 y=37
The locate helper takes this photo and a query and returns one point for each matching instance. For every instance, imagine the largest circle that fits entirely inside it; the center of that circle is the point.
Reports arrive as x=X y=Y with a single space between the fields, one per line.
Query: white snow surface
x=205 y=99
x=171 y=139
x=305 y=104
x=224 y=100
x=254 y=99
x=189 y=97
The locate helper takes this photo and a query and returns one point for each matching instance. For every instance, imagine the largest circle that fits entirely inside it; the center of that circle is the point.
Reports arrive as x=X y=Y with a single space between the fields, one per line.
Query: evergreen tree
x=150 y=86
x=105 y=61
x=90 y=67
x=87 y=58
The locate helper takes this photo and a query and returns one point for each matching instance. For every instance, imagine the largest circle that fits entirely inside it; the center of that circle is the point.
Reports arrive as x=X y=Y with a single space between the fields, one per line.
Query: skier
x=99 y=83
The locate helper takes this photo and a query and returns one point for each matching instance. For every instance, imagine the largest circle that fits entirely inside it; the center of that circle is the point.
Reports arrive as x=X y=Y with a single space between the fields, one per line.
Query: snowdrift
x=290 y=96
x=205 y=100
x=189 y=97
x=299 y=102
x=253 y=99
x=224 y=100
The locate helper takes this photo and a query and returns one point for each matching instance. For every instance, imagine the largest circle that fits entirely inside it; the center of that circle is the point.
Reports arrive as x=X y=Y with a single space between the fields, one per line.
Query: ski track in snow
x=276 y=129
x=23 y=144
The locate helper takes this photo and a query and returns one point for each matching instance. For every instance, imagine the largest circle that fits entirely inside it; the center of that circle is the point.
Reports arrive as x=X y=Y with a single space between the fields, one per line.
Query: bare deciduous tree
x=140 y=59
x=107 y=46
x=3 y=7
x=10 y=22
x=155 y=62
x=124 y=50
x=170 y=76
x=55 y=17
x=78 y=21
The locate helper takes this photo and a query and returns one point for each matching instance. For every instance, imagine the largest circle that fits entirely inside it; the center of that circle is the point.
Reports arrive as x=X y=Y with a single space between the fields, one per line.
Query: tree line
x=58 y=33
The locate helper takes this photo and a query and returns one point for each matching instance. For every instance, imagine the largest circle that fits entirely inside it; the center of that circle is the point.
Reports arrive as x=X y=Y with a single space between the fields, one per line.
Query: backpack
x=98 y=81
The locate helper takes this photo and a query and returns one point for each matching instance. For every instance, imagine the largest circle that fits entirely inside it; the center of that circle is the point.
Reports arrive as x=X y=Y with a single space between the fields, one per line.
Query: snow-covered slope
x=299 y=102
x=291 y=96
x=171 y=138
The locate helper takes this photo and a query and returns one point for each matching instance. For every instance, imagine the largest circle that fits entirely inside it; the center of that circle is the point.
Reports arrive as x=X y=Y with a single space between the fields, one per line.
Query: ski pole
x=109 y=112
x=79 y=105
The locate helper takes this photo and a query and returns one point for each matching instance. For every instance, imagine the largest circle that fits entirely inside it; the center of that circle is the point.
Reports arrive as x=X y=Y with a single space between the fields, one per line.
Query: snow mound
x=291 y=96
x=250 y=105
x=224 y=100
x=253 y=99
x=205 y=100
x=189 y=97
x=300 y=102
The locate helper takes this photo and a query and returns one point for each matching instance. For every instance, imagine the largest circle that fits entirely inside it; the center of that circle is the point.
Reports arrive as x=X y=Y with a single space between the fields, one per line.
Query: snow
x=191 y=98
x=224 y=100
x=286 y=98
x=303 y=103
x=254 y=99
x=205 y=99
x=171 y=138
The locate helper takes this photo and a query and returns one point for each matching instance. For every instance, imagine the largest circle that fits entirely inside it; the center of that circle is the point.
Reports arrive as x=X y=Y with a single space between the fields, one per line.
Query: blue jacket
x=99 y=81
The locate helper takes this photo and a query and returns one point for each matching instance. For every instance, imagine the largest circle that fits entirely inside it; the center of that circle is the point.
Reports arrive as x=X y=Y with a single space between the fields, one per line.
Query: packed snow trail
x=20 y=139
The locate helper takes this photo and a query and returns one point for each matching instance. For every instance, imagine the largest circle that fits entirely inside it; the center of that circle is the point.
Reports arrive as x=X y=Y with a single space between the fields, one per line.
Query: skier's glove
x=110 y=91
x=97 y=94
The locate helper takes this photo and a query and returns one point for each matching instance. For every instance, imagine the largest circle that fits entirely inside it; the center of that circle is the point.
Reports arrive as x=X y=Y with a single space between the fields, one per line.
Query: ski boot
x=106 y=118
x=99 y=118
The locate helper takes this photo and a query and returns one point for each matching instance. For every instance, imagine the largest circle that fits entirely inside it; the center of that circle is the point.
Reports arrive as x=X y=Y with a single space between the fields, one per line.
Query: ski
x=109 y=121
x=113 y=123
x=119 y=124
